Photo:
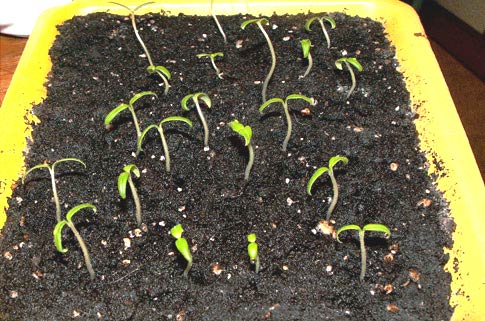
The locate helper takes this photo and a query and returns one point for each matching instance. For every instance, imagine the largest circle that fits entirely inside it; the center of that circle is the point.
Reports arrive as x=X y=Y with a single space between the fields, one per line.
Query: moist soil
x=98 y=64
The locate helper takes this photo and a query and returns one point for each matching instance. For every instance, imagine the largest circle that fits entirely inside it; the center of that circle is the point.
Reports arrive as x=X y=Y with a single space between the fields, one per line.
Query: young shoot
x=284 y=103
x=217 y=22
x=113 y=113
x=253 y=251
x=246 y=132
x=212 y=57
x=349 y=62
x=123 y=179
x=259 y=23
x=162 y=136
x=321 y=20
x=320 y=171
x=305 y=46
x=52 y=169
x=195 y=98
x=363 y=254
x=182 y=246
x=68 y=221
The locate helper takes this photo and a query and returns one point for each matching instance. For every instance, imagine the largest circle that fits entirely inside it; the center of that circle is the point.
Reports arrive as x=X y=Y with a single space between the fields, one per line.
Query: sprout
x=125 y=177
x=113 y=113
x=253 y=251
x=195 y=98
x=53 y=179
x=321 y=20
x=348 y=62
x=163 y=73
x=305 y=46
x=271 y=49
x=369 y=227
x=287 y=112
x=217 y=22
x=182 y=246
x=58 y=235
x=247 y=133
x=212 y=56
x=162 y=136
x=331 y=163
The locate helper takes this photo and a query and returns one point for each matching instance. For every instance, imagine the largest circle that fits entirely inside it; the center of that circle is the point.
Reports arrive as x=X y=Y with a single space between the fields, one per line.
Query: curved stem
x=335 y=194
x=165 y=149
x=218 y=72
x=84 y=249
x=250 y=162
x=273 y=61
x=187 y=269
x=325 y=33
x=352 y=76
x=363 y=256
x=135 y=120
x=204 y=123
x=217 y=22
x=310 y=64
x=56 y=197
x=136 y=199
x=133 y=23
x=288 y=120
x=165 y=82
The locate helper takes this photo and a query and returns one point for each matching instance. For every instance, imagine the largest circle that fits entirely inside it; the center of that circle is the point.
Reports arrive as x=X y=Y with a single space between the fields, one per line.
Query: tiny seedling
x=195 y=98
x=182 y=246
x=331 y=163
x=212 y=57
x=259 y=23
x=52 y=169
x=321 y=20
x=349 y=62
x=369 y=227
x=287 y=112
x=217 y=22
x=113 y=113
x=253 y=251
x=58 y=235
x=162 y=136
x=305 y=46
x=247 y=133
x=125 y=177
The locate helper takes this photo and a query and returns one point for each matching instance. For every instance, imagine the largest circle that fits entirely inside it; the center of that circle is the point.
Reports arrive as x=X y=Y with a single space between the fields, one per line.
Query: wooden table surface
x=10 y=51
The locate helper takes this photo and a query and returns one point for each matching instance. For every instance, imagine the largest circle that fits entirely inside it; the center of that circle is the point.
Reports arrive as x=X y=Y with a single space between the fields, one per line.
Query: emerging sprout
x=259 y=22
x=212 y=57
x=195 y=98
x=58 y=235
x=348 y=62
x=253 y=251
x=163 y=73
x=125 y=177
x=247 y=133
x=321 y=20
x=331 y=163
x=113 y=113
x=217 y=22
x=182 y=246
x=369 y=227
x=53 y=179
x=287 y=112
x=162 y=136
x=305 y=46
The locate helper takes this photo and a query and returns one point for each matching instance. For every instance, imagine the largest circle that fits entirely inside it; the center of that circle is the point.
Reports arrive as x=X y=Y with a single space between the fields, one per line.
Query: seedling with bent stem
x=217 y=22
x=58 y=235
x=259 y=23
x=51 y=169
x=195 y=98
x=246 y=132
x=253 y=251
x=321 y=20
x=182 y=246
x=369 y=227
x=162 y=136
x=287 y=112
x=349 y=62
x=212 y=57
x=305 y=46
x=113 y=113
x=331 y=163
x=125 y=177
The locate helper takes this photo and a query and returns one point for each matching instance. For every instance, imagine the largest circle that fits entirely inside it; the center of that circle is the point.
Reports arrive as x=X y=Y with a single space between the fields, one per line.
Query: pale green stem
x=335 y=194
x=56 y=197
x=310 y=64
x=363 y=255
x=187 y=269
x=204 y=123
x=135 y=120
x=136 y=199
x=165 y=81
x=218 y=72
x=217 y=22
x=325 y=33
x=250 y=162
x=256 y=264
x=288 y=120
x=84 y=249
x=352 y=76
x=165 y=149
x=273 y=61
x=133 y=23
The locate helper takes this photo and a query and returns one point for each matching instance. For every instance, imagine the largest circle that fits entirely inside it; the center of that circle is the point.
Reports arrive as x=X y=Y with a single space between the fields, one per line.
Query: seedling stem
x=321 y=20
x=212 y=57
x=125 y=177
x=217 y=22
x=195 y=98
x=348 y=62
x=182 y=246
x=246 y=132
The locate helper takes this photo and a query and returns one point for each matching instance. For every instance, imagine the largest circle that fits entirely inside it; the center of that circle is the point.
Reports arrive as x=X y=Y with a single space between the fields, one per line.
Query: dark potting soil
x=98 y=63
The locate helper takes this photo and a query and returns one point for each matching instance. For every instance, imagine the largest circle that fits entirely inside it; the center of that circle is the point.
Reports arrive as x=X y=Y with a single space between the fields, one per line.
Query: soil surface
x=98 y=64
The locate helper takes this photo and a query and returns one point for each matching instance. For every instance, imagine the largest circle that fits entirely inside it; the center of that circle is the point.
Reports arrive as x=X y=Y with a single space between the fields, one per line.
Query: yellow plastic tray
x=440 y=130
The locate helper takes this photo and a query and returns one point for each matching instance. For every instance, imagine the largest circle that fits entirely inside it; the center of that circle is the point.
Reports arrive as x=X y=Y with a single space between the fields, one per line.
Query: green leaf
x=72 y=159
x=319 y=172
x=346 y=228
x=113 y=113
x=353 y=61
x=211 y=55
x=58 y=236
x=253 y=251
x=252 y=238
x=331 y=21
x=162 y=69
x=269 y=102
x=141 y=94
x=177 y=118
x=377 y=228
x=244 y=131
x=77 y=208
x=298 y=96
x=335 y=159
x=185 y=100
x=131 y=168
x=183 y=247
x=204 y=97
x=177 y=231
x=305 y=46
x=122 y=180
x=309 y=22
x=45 y=165
x=142 y=136
x=260 y=20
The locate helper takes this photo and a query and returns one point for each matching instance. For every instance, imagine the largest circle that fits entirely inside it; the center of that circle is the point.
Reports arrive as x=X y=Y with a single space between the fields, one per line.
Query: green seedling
x=58 y=235
x=253 y=251
x=217 y=22
x=247 y=133
x=212 y=57
x=349 y=62
x=152 y=68
x=331 y=164
x=305 y=46
x=259 y=23
x=182 y=246
x=113 y=113
x=195 y=98
x=369 y=227
x=321 y=20
x=162 y=136
x=123 y=179
x=52 y=169
x=287 y=112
